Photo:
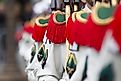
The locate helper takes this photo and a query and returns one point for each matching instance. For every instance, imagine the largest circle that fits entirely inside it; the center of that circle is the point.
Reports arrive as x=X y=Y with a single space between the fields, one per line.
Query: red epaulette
x=81 y=28
x=56 y=28
x=28 y=27
x=40 y=28
x=116 y=26
x=70 y=27
x=98 y=24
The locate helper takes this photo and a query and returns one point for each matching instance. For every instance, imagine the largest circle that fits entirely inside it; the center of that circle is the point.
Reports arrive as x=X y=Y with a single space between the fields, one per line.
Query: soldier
x=98 y=26
x=73 y=68
x=89 y=48
x=48 y=61
x=26 y=43
x=40 y=26
x=38 y=35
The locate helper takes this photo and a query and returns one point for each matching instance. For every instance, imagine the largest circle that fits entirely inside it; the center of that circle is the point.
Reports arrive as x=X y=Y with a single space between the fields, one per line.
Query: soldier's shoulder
x=59 y=17
x=42 y=20
x=103 y=14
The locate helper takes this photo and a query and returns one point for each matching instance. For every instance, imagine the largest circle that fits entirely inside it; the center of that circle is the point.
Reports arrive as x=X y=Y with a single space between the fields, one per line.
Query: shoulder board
x=42 y=21
x=103 y=14
x=82 y=16
x=59 y=17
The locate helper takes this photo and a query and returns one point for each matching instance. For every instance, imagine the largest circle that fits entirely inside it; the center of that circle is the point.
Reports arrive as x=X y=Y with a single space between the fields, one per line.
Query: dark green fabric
x=71 y=63
x=33 y=53
x=105 y=13
x=71 y=66
x=60 y=17
x=43 y=21
x=40 y=54
x=84 y=15
x=107 y=74
x=44 y=59
x=46 y=54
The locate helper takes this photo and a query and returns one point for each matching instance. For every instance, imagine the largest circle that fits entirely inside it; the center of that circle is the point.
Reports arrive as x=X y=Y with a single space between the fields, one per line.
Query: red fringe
x=69 y=27
x=38 y=33
x=96 y=33
x=116 y=26
x=28 y=28
x=49 y=29
x=56 y=32
x=82 y=37
x=88 y=34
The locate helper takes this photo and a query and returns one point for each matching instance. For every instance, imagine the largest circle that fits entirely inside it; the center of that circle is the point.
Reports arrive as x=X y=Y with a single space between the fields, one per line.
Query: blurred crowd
x=23 y=13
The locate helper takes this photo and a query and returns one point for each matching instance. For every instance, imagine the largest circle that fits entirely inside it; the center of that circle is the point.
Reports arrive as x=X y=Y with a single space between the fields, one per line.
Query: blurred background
x=13 y=15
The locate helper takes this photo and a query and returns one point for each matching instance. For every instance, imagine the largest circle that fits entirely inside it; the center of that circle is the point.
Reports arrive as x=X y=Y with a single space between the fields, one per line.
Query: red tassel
x=96 y=33
x=28 y=27
x=82 y=37
x=116 y=26
x=56 y=32
x=38 y=33
x=69 y=33
x=50 y=28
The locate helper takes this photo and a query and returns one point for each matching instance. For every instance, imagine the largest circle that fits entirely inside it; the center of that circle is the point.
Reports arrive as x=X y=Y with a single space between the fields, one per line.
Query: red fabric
x=77 y=32
x=56 y=32
x=96 y=33
x=86 y=34
x=69 y=29
x=28 y=28
x=117 y=13
x=82 y=37
x=49 y=29
x=116 y=26
x=38 y=33
x=73 y=34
